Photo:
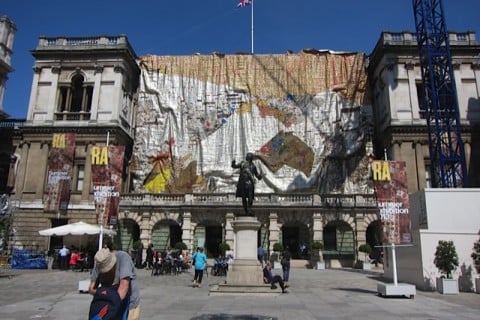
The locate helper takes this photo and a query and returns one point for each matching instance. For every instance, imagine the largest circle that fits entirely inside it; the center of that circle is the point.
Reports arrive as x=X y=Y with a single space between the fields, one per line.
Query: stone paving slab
x=313 y=294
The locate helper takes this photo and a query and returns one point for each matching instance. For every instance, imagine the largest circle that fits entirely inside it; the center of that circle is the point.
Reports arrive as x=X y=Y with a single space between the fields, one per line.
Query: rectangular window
x=421 y=100
x=428 y=179
x=397 y=36
x=461 y=37
x=79 y=177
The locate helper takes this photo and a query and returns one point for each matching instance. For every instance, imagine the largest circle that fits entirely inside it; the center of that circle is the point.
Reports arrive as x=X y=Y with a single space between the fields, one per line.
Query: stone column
x=360 y=231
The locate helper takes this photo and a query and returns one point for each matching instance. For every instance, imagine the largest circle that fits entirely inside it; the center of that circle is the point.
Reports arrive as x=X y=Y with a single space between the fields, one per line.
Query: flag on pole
x=243 y=3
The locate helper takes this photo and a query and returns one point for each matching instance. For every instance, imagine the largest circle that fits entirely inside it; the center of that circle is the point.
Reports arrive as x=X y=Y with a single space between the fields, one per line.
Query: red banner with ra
x=60 y=170
x=107 y=171
x=390 y=182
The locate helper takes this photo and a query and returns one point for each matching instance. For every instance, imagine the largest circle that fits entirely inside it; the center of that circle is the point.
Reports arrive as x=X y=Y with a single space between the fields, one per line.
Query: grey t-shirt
x=125 y=269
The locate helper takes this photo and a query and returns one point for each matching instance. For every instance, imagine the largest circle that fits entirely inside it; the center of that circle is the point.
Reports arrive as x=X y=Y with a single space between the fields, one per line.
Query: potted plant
x=316 y=257
x=446 y=261
x=223 y=247
x=180 y=246
x=367 y=250
x=275 y=256
x=476 y=263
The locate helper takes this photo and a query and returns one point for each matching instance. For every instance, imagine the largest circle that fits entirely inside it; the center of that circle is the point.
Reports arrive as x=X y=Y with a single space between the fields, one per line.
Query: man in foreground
x=118 y=262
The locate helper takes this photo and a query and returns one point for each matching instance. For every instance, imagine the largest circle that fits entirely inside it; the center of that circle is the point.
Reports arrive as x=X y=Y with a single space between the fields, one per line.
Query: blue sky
x=183 y=27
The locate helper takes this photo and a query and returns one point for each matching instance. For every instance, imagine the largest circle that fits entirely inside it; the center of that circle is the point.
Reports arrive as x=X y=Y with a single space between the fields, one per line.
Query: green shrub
x=278 y=247
x=446 y=258
x=180 y=246
x=317 y=245
x=136 y=244
x=223 y=247
x=366 y=249
x=476 y=255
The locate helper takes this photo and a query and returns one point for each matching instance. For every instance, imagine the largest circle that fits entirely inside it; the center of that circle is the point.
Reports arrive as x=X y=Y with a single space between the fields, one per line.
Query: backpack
x=106 y=304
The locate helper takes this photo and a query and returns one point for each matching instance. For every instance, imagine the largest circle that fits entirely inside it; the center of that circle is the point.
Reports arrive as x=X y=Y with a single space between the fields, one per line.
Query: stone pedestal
x=245 y=275
x=245 y=268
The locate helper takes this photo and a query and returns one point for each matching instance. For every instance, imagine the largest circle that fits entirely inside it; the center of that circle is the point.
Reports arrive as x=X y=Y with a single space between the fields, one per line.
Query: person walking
x=199 y=261
x=120 y=263
x=149 y=258
x=260 y=254
x=287 y=256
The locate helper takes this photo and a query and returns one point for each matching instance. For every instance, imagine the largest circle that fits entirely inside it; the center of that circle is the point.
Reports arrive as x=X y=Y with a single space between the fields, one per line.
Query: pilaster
x=273 y=231
x=317 y=227
x=187 y=230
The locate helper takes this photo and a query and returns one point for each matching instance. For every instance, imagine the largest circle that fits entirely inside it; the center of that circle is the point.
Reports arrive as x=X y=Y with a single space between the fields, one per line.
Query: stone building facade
x=92 y=86
x=7 y=34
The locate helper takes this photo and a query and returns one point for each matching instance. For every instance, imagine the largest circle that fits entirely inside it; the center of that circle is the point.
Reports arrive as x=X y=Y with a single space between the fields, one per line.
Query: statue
x=246 y=182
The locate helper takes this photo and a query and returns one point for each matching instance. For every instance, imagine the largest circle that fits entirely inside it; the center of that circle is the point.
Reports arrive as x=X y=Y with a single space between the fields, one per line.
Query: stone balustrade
x=261 y=200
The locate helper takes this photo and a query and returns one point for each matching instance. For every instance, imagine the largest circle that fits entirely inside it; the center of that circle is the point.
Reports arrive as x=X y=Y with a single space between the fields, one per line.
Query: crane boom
x=447 y=155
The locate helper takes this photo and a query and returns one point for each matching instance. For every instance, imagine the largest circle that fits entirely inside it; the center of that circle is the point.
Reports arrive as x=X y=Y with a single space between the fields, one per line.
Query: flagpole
x=252 y=28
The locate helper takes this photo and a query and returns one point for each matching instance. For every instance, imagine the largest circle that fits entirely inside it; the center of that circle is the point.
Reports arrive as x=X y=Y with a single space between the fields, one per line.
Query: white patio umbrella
x=76 y=229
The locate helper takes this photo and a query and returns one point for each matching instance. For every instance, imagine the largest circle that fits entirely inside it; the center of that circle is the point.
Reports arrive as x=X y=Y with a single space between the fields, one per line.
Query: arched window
x=75 y=100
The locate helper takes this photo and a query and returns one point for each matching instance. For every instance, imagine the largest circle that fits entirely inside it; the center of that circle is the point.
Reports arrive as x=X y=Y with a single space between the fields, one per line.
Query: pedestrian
x=125 y=277
x=63 y=253
x=271 y=279
x=149 y=258
x=199 y=261
x=285 y=262
x=260 y=255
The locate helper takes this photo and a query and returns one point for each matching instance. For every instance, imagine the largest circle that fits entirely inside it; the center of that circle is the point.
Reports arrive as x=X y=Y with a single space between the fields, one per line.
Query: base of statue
x=245 y=274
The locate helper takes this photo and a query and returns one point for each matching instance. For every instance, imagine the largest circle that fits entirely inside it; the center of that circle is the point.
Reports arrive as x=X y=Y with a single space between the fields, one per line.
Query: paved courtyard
x=327 y=294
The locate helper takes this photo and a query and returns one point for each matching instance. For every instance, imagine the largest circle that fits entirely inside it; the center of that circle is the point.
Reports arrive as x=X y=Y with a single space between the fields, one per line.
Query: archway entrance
x=128 y=233
x=294 y=235
x=339 y=243
x=374 y=236
x=166 y=233
x=209 y=235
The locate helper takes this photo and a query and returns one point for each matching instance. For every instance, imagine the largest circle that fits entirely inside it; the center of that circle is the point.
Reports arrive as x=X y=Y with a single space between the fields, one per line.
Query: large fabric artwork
x=60 y=170
x=305 y=116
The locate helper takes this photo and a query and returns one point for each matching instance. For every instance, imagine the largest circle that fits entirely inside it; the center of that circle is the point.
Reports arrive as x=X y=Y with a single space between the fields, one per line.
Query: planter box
x=447 y=286
x=366 y=266
x=320 y=265
x=277 y=265
x=477 y=285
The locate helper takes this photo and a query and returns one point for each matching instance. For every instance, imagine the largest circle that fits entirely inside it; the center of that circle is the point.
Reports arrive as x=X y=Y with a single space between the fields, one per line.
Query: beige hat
x=105 y=260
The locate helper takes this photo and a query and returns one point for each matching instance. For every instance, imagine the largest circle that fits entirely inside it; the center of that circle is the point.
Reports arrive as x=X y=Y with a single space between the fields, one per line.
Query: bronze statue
x=246 y=182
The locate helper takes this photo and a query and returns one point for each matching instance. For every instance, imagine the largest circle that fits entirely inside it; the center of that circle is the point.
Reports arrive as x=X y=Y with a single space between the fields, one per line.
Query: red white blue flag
x=243 y=3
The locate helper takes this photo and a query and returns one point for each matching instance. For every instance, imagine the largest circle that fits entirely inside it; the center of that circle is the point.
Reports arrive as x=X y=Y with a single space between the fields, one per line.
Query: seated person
x=157 y=263
x=271 y=279
x=219 y=266
x=179 y=262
